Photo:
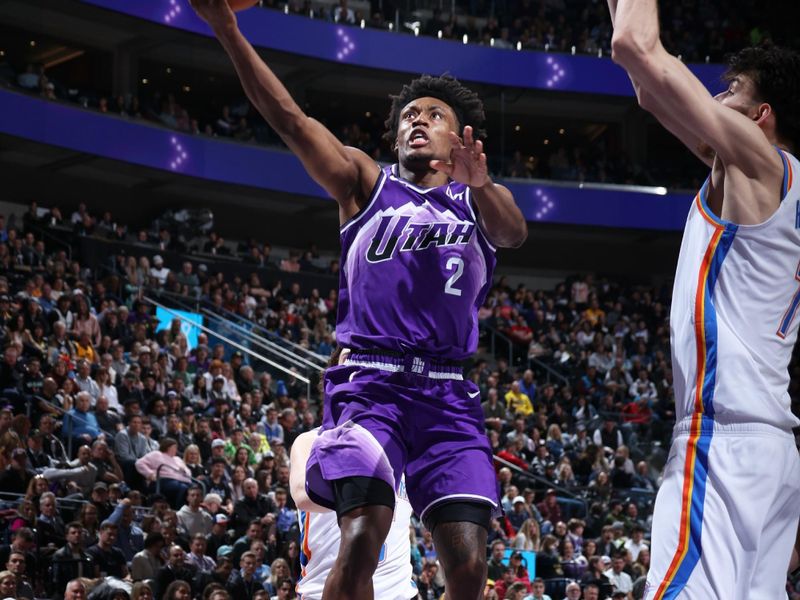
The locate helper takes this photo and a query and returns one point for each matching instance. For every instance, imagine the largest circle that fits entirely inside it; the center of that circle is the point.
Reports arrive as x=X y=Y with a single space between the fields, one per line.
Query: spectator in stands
x=197 y=558
x=344 y=14
x=16 y=565
x=146 y=563
x=252 y=506
x=517 y=402
x=243 y=583
x=108 y=559
x=71 y=561
x=80 y=474
x=80 y=423
x=130 y=538
x=619 y=579
x=192 y=517
x=173 y=572
x=165 y=465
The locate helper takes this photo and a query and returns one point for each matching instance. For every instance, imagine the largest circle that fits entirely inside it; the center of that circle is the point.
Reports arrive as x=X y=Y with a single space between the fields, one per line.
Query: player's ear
x=763 y=112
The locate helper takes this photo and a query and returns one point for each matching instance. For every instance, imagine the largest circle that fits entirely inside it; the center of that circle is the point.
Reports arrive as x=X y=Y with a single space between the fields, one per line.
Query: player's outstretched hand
x=467 y=162
x=217 y=13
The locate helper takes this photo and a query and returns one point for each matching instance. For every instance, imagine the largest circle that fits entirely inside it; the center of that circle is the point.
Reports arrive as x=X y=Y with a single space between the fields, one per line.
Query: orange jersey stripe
x=694 y=435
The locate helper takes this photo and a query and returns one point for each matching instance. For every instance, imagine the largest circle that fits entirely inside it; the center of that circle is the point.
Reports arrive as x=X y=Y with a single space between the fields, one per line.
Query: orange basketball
x=238 y=5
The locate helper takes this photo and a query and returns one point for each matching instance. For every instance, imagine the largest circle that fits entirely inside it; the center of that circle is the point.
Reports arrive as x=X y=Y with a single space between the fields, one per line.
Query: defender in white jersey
x=727 y=513
x=320 y=538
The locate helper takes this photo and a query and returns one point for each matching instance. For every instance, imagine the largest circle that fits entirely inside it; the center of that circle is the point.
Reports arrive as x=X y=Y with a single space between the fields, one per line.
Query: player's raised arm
x=672 y=93
x=347 y=174
x=670 y=122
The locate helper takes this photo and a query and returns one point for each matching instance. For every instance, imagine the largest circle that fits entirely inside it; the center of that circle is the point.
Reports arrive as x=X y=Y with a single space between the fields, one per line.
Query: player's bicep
x=687 y=137
x=673 y=94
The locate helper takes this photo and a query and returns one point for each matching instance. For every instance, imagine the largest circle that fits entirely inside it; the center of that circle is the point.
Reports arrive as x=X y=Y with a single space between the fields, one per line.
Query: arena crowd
x=134 y=466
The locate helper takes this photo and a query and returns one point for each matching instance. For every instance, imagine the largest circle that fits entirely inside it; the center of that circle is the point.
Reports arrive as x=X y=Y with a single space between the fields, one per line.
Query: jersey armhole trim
x=477 y=220
x=376 y=190
x=788 y=175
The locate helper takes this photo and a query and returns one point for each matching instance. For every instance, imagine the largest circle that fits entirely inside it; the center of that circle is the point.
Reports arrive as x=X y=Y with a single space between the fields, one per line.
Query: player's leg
x=353 y=467
x=365 y=507
x=459 y=533
x=780 y=531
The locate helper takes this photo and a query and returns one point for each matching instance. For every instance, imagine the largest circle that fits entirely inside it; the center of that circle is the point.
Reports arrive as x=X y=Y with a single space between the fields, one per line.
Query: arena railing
x=269 y=336
x=264 y=343
x=241 y=327
x=238 y=346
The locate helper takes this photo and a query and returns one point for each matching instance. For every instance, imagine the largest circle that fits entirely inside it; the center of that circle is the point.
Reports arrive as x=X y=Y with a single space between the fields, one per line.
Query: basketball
x=237 y=5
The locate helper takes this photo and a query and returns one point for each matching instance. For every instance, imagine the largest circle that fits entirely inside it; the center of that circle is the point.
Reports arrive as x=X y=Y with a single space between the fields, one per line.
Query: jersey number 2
x=457 y=264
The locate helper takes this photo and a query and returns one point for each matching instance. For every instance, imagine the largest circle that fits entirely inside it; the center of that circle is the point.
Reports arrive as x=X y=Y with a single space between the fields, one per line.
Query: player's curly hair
x=776 y=74
x=464 y=102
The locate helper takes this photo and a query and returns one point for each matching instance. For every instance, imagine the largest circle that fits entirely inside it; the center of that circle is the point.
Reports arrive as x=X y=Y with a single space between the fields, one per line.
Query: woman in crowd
x=85 y=322
x=193 y=460
x=108 y=389
x=141 y=591
x=88 y=519
x=279 y=570
x=242 y=459
x=25 y=516
x=237 y=479
x=574 y=566
x=527 y=537
x=178 y=590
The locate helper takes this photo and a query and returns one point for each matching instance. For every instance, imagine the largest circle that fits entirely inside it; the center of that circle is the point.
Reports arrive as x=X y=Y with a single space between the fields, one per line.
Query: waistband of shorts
x=398 y=362
x=722 y=427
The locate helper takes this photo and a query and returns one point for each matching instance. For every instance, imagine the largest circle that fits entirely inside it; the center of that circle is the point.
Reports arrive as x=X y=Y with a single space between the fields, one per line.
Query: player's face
x=741 y=96
x=422 y=134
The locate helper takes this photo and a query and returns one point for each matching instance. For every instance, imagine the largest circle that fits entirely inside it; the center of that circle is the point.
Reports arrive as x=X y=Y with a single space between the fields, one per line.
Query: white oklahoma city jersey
x=319 y=547
x=733 y=318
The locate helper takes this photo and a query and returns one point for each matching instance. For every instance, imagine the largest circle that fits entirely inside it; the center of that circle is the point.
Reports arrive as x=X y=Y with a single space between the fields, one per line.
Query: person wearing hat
x=158 y=271
x=219 y=536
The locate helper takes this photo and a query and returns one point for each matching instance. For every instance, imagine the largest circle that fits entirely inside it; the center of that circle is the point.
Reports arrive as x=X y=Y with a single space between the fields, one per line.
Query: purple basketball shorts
x=382 y=423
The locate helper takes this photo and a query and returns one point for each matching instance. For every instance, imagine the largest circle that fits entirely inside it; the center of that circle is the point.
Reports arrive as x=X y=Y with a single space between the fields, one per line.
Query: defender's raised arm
x=669 y=90
x=347 y=174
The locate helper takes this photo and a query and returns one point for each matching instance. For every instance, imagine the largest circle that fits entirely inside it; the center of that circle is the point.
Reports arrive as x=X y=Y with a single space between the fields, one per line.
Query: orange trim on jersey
x=306 y=549
x=790 y=171
x=697 y=416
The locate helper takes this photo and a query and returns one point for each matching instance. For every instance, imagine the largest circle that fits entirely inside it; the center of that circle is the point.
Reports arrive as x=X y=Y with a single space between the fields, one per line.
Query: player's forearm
x=502 y=218
x=263 y=88
x=636 y=28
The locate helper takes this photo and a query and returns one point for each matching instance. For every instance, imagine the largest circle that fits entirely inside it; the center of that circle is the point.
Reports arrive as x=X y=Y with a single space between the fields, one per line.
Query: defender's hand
x=217 y=13
x=467 y=162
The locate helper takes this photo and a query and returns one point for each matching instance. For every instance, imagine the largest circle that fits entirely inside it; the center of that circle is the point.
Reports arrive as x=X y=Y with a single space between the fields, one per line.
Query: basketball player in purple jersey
x=418 y=244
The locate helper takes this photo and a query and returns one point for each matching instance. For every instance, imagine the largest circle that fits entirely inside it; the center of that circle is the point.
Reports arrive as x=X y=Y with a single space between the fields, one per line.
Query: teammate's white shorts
x=726 y=515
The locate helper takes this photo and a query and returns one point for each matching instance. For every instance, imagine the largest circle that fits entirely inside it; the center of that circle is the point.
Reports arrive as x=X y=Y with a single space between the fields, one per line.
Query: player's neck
x=422 y=176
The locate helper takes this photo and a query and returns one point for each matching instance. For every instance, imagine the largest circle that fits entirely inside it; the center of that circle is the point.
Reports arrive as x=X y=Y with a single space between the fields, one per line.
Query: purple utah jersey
x=415 y=269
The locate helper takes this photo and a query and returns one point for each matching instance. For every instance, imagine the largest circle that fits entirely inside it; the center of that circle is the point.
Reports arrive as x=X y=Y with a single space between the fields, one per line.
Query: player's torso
x=732 y=319
x=415 y=268
x=320 y=546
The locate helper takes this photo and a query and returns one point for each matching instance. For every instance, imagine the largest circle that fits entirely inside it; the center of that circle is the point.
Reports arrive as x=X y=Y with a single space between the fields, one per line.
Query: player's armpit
x=673 y=94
